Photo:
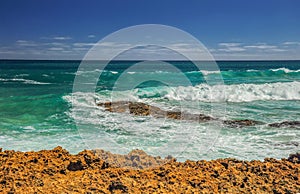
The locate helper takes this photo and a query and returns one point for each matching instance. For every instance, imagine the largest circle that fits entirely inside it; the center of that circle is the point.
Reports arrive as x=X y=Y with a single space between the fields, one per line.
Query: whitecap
x=236 y=92
x=131 y=72
x=204 y=72
x=285 y=70
x=25 y=81
x=114 y=72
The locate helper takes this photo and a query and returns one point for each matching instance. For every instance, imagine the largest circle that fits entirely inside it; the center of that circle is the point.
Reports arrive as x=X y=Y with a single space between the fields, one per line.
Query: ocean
x=38 y=109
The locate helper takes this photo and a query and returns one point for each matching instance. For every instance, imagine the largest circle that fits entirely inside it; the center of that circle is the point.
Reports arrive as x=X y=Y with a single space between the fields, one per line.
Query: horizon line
x=219 y=60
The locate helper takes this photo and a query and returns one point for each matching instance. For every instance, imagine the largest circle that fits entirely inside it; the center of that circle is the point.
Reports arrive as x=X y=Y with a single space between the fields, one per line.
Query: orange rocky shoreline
x=98 y=171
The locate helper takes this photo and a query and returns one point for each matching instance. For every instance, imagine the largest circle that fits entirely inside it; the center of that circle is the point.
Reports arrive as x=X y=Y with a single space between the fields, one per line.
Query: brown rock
x=136 y=159
x=142 y=109
x=118 y=107
x=139 y=109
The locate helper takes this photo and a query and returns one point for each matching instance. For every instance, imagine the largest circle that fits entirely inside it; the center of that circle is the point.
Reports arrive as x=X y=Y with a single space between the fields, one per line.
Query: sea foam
x=227 y=93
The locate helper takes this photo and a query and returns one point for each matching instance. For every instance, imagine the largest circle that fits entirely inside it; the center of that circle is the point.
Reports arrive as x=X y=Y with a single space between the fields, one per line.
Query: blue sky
x=232 y=29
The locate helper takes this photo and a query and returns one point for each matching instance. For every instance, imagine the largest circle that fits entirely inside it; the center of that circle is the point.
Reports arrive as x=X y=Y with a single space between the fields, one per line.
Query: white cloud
x=91 y=36
x=229 y=44
x=186 y=48
x=56 y=49
x=56 y=38
x=236 y=47
x=232 y=49
x=26 y=43
x=80 y=49
x=278 y=50
x=261 y=46
x=62 y=38
x=83 y=44
x=291 y=43
x=108 y=44
x=114 y=44
x=57 y=44
x=65 y=51
x=21 y=41
x=7 y=52
x=180 y=45
x=259 y=50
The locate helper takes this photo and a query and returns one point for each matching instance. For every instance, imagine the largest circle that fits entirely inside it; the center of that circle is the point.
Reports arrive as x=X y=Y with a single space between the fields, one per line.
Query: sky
x=230 y=30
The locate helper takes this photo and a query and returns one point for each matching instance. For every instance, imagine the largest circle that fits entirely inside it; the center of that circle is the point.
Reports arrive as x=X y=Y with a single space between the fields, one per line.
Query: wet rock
x=291 y=124
x=241 y=123
x=139 y=109
x=142 y=109
x=174 y=115
x=295 y=158
x=119 y=107
x=197 y=117
x=291 y=143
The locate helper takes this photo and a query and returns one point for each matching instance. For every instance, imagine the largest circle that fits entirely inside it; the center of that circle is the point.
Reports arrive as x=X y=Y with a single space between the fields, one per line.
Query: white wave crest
x=204 y=72
x=131 y=72
x=114 y=72
x=237 y=92
x=25 y=81
x=203 y=93
x=285 y=70
x=252 y=70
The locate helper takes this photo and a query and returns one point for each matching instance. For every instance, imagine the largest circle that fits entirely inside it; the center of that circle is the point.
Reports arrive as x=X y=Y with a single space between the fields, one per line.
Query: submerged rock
x=241 y=123
x=291 y=124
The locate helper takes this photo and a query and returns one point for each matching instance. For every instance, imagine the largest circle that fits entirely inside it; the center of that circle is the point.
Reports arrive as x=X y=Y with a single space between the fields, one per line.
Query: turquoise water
x=39 y=111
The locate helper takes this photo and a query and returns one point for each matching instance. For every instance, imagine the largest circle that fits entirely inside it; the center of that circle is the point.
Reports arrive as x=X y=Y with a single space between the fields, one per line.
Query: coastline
x=98 y=171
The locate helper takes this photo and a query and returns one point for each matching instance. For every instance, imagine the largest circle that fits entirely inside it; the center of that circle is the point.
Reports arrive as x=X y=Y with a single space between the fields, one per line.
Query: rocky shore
x=98 y=171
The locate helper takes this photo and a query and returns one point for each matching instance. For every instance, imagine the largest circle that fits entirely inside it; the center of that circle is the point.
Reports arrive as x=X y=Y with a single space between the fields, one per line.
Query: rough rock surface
x=136 y=159
x=57 y=171
x=142 y=109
